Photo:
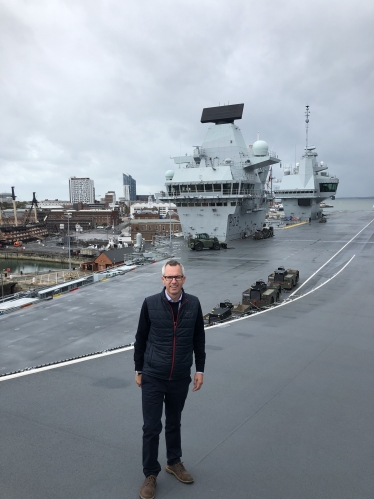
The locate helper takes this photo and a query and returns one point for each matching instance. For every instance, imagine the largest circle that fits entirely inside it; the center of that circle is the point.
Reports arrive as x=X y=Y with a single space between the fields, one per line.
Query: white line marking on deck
x=288 y=301
x=63 y=364
x=285 y=302
x=328 y=261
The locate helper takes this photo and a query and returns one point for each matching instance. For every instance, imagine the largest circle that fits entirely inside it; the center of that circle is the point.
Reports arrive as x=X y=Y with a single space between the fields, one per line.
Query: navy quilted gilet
x=169 y=351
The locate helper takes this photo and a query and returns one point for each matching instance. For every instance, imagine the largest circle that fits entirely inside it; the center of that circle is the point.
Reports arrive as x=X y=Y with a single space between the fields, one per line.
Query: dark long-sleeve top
x=142 y=333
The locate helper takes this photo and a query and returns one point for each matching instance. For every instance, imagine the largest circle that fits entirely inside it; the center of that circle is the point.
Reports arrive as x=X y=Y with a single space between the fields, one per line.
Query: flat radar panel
x=222 y=114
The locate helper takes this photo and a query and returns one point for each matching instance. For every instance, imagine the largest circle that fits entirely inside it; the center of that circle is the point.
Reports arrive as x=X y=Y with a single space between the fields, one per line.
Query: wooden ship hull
x=11 y=234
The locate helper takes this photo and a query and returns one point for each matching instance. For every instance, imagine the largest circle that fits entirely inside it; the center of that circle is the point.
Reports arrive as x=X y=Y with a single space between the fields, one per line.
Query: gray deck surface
x=287 y=407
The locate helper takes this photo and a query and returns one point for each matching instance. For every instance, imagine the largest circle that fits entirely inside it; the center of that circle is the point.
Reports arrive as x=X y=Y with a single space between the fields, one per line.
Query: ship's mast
x=306 y=125
x=14 y=207
x=34 y=203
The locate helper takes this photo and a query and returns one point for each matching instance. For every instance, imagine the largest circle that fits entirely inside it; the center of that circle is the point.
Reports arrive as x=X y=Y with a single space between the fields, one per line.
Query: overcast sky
x=95 y=88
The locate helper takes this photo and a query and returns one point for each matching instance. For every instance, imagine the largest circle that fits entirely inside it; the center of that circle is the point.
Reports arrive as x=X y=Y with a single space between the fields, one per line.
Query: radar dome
x=169 y=175
x=260 y=148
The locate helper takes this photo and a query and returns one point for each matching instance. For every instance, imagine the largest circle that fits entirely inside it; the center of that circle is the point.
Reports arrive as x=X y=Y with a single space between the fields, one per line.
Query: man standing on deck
x=170 y=330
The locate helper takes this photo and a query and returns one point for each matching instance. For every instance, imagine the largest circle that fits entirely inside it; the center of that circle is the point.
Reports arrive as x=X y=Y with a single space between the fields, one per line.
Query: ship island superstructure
x=220 y=188
x=306 y=185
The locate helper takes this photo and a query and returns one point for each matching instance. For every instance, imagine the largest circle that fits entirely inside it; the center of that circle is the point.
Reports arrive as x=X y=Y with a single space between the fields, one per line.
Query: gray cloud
x=97 y=88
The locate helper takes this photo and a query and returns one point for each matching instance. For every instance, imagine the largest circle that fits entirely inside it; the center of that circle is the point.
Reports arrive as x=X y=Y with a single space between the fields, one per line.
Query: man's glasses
x=171 y=277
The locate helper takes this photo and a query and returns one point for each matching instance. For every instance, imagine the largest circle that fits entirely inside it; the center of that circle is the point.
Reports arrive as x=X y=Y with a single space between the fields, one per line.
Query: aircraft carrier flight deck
x=287 y=406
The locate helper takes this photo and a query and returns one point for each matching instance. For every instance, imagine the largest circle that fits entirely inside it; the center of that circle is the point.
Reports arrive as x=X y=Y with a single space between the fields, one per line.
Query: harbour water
x=350 y=204
x=25 y=266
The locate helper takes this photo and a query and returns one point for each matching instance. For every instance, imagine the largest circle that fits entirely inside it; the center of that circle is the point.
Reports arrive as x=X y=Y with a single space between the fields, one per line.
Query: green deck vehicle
x=205 y=241
x=226 y=311
x=261 y=294
x=286 y=278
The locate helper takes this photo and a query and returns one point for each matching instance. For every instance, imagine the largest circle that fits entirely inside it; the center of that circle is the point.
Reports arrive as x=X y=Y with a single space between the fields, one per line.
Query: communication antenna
x=307 y=112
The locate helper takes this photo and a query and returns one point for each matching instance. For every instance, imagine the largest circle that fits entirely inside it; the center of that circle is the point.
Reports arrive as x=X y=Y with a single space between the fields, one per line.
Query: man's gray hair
x=172 y=263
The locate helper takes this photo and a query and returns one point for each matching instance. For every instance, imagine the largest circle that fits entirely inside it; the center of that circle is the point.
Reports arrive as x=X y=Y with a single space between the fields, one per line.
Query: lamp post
x=2 y=286
x=68 y=216
x=169 y=213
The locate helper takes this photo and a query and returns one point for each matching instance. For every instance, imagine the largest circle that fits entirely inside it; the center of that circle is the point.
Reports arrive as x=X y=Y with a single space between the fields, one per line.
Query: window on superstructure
x=184 y=188
x=219 y=204
x=200 y=187
x=328 y=187
x=212 y=204
x=197 y=204
x=217 y=187
x=192 y=188
x=235 y=188
x=224 y=204
x=226 y=189
x=204 y=204
x=184 y=204
x=208 y=188
x=233 y=203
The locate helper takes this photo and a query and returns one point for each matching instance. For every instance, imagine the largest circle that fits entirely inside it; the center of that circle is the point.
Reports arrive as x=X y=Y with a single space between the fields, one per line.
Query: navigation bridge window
x=328 y=187
x=176 y=190
x=235 y=188
x=213 y=187
x=299 y=191
x=225 y=189
x=246 y=188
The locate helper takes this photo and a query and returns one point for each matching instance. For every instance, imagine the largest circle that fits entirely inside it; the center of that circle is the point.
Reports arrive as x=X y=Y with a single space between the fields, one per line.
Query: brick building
x=108 y=259
x=151 y=227
x=87 y=219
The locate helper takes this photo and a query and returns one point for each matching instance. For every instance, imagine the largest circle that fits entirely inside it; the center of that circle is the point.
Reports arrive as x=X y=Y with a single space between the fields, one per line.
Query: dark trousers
x=156 y=392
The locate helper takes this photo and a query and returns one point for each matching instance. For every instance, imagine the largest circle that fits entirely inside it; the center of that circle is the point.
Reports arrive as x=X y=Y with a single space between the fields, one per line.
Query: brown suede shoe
x=180 y=472
x=148 y=489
